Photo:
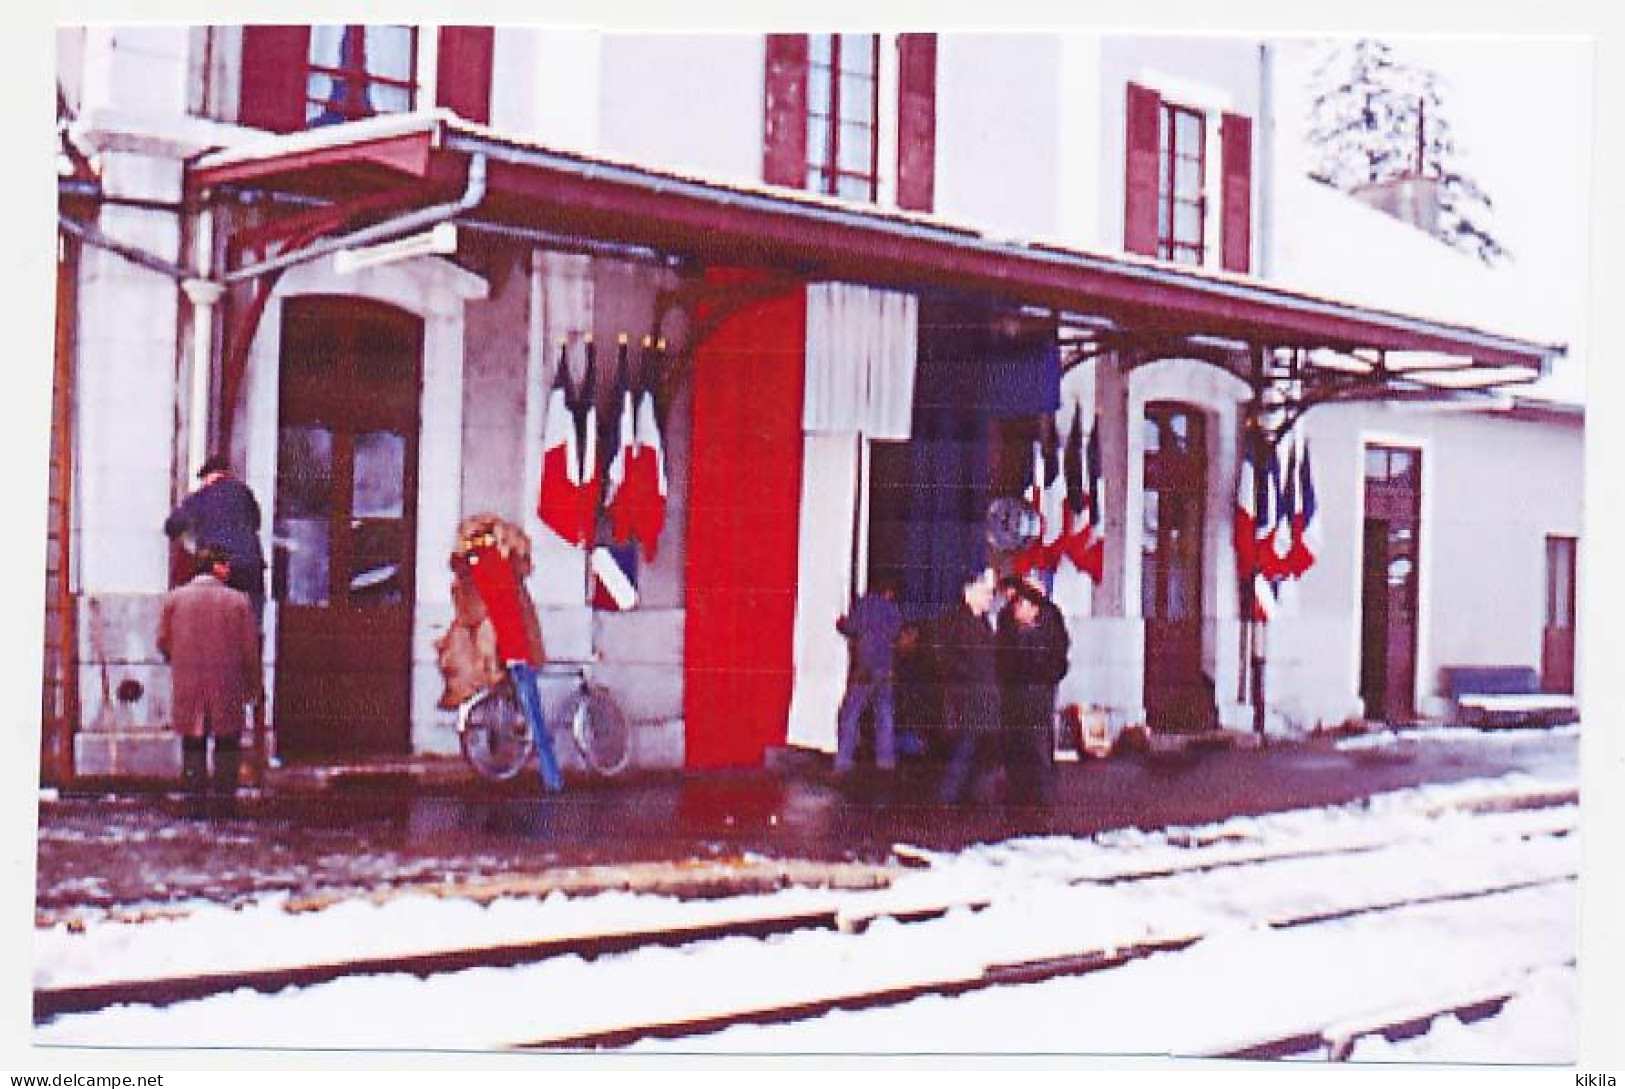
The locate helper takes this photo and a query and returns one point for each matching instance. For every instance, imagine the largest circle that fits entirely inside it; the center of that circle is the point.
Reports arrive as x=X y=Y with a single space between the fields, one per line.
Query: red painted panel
x=272 y=94
x=916 y=121
x=1236 y=134
x=743 y=526
x=1140 y=185
x=463 y=71
x=784 y=127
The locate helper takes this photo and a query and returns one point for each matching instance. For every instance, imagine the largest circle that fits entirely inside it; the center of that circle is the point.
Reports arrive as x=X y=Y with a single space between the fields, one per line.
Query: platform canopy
x=1321 y=348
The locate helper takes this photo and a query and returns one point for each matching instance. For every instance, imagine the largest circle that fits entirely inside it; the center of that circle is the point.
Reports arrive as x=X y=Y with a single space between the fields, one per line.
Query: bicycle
x=496 y=739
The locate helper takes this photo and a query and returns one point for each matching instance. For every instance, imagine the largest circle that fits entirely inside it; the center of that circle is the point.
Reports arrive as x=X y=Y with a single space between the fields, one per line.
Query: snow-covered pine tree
x=1366 y=107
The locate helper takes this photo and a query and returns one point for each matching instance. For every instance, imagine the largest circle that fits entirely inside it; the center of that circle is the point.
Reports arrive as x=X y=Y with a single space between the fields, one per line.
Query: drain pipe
x=203 y=293
x=379 y=232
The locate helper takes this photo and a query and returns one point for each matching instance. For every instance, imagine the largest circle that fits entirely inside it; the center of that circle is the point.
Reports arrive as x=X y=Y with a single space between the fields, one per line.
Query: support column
x=128 y=402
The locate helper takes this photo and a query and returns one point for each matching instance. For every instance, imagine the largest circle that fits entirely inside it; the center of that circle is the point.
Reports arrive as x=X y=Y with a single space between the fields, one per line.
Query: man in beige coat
x=207 y=633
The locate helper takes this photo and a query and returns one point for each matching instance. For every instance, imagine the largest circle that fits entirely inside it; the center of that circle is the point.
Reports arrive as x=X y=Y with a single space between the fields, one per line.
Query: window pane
x=304 y=472
x=380 y=475
x=858 y=53
x=327 y=46
x=300 y=560
x=817 y=141
x=375 y=562
x=1188 y=132
x=855 y=188
x=1376 y=464
x=389 y=52
x=857 y=99
x=856 y=149
x=1401 y=464
x=383 y=98
x=1187 y=223
x=1152 y=436
x=1187 y=177
x=1164 y=131
x=818 y=91
x=818 y=48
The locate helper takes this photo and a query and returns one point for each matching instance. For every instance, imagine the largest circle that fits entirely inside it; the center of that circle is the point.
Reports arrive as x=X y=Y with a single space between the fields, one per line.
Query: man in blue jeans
x=871 y=629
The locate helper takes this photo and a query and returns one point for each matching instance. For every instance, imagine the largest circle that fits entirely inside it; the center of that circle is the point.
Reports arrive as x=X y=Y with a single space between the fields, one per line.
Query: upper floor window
x=1176 y=205
x=359 y=71
x=852 y=115
x=1181 y=203
x=299 y=77
x=843 y=114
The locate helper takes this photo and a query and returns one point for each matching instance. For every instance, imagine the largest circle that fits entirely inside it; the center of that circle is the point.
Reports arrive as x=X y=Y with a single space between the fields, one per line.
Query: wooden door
x=1388 y=598
x=1178 y=696
x=344 y=526
x=1557 y=635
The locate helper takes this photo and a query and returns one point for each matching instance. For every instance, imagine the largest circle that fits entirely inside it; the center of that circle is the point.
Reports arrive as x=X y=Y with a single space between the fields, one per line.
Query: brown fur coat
x=467 y=652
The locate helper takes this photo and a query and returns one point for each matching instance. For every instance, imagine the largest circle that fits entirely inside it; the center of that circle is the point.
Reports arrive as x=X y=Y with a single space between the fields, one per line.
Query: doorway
x=344 y=529
x=1388 y=583
x=1178 y=695
x=1557 y=635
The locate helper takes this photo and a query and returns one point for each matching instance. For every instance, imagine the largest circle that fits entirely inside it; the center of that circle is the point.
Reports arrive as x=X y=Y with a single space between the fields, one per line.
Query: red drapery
x=743 y=503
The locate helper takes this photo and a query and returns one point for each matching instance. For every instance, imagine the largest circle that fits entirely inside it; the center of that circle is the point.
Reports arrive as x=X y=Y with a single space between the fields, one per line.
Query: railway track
x=855 y=917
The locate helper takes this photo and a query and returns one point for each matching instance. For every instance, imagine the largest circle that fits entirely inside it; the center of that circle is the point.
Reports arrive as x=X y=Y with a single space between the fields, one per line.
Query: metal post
x=1260 y=453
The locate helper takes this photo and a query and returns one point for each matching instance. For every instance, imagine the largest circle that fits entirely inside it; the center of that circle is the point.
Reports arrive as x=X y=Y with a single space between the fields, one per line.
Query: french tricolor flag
x=646 y=475
x=619 y=494
x=1253 y=537
x=560 y=500
x=1305 y=526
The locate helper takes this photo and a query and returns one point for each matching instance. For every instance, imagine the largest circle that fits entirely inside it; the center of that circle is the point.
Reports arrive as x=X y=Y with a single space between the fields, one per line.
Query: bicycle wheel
x=600 y=730
x=495 y=736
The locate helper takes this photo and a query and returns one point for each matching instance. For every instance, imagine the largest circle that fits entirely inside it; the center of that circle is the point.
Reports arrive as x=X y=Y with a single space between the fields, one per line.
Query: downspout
x=473 y=194
x=203 y=294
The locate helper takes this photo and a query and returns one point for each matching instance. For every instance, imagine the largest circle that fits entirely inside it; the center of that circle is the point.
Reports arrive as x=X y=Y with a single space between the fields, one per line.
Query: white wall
x=998 y=110
x=685 y=102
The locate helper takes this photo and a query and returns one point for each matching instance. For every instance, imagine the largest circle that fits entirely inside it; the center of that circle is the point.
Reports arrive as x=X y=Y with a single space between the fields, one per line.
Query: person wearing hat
x=207 y=635
x=222 y=515
x=1032 y=660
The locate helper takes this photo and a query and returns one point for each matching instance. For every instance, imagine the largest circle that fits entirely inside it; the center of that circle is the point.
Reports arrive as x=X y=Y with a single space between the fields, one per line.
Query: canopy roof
x=1106 y=301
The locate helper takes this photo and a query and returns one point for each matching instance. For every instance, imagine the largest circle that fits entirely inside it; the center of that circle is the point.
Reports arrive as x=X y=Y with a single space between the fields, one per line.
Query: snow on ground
x=1457 y=734
x=1242 y=980
x=210 y=937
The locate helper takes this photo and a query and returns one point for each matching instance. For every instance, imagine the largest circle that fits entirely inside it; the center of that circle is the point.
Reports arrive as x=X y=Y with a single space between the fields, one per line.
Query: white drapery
x=861 y=347
x=829 y=468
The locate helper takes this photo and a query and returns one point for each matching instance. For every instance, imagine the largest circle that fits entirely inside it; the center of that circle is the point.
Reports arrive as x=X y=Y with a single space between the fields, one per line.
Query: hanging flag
x=592 y=478
x=1094 y=556
x=612 y=588
x=1252 y=535
x=648 y=472
x=1284 y=498
x=1077 y=541
x=1052 y=503
x=1037 y=556
x=1305 y=526
x=619 y=499
x=559 y=502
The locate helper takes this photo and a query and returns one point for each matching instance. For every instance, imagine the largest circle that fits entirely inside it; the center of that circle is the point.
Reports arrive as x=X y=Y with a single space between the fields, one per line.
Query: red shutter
x=916 y=120
x=784 y=139
x=1140 y=187
x=272 y=90
x=1236 y=136
x=463 y=71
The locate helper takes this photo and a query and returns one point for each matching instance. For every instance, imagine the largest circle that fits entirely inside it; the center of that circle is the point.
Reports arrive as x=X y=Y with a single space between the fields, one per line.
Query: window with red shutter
x=916 y=121
x=297 y=77
x=843 y=114
x=1181 y=184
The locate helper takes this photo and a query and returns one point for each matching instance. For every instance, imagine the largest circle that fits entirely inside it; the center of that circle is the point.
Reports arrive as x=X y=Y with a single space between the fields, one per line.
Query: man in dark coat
x=963 y=653
x=223 y=516
x=1032 y=659
x=208 y=636
x=871 y=628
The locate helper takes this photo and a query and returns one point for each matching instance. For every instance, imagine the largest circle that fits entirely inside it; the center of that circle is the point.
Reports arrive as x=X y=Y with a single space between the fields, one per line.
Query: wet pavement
x=100 y=851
